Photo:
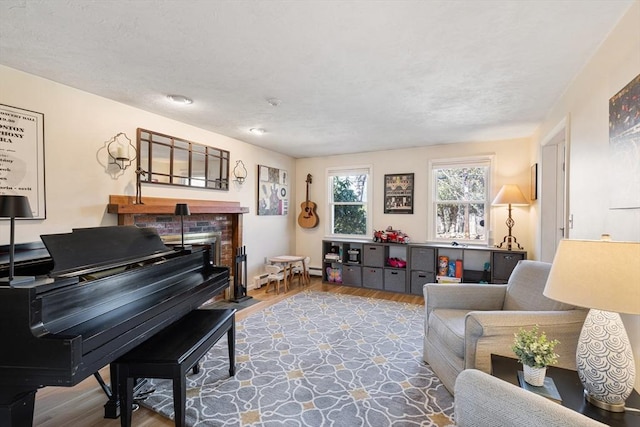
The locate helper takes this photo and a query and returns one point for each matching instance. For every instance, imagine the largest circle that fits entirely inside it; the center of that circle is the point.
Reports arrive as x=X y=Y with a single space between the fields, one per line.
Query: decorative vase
x=534 y=376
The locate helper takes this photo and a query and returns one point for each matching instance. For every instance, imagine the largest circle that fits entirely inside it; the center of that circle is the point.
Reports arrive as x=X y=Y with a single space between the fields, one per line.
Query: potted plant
x=535 y=352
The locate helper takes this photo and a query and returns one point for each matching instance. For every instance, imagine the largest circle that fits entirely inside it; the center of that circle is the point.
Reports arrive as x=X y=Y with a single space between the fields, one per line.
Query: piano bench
x=171 y=353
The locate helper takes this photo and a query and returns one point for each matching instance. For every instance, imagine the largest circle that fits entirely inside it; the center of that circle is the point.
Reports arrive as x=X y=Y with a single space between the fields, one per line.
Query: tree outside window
x=460 y=201
x=348 y=202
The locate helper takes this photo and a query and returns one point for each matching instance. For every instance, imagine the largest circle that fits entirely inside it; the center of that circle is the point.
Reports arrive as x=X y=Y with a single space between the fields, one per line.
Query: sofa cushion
x=448 y=325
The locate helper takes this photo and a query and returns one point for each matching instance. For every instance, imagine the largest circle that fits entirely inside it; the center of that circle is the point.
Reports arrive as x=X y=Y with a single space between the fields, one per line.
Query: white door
x=552 y=197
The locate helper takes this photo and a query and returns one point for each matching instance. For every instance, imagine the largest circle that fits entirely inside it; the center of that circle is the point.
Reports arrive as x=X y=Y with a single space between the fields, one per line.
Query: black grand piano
x=96 y=294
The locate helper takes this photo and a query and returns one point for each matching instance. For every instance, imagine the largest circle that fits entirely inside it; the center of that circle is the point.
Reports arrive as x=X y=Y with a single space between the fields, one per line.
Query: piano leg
x=16 y=407
x=112 y=407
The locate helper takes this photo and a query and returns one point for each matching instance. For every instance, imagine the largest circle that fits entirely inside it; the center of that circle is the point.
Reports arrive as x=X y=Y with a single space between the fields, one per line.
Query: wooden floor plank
x=83 y=405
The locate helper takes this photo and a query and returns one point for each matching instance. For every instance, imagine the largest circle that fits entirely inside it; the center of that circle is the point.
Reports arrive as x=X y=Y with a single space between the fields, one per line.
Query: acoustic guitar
x=308 y=217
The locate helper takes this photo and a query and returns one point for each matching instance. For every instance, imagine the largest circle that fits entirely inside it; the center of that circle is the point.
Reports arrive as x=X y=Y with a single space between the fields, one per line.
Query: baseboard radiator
x=315 y=271
x=259 y=280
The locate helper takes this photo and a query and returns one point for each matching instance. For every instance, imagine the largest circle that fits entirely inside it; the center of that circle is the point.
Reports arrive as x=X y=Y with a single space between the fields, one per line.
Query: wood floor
x=82 y=405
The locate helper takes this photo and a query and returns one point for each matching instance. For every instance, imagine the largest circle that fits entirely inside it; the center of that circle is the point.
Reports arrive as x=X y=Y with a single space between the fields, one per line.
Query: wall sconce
x=119 y=151
x=182 y=209
x=240 y=172
x=510 y=194
x=14 y=207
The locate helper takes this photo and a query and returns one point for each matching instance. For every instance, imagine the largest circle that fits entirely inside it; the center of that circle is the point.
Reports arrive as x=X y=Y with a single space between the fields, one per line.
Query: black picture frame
x=23 y=145
x=398 y=193
x=534 y=182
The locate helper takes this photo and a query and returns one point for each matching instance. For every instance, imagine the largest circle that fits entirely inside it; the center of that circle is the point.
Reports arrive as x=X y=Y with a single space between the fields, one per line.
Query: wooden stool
x=171 y=353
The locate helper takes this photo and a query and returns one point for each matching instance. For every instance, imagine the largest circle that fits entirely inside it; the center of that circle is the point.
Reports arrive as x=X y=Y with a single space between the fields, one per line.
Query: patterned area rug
x=318 y=359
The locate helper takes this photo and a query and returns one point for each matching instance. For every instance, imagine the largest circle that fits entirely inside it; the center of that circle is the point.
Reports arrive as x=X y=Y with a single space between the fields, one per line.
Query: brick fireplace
x=207 y=217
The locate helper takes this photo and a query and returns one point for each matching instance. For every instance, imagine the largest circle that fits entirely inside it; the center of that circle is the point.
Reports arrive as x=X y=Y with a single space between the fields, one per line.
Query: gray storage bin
x=373 y=255
x=395 y=280
x=423 y=259
x=503 y=264
x=352 y=275
x=419 y=279
x=372 y=277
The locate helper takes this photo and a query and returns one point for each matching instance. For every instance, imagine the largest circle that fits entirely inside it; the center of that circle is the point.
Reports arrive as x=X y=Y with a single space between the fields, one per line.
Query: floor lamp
x=603 y=276
x=510 y=195
x=14 y=207
x=182 y=209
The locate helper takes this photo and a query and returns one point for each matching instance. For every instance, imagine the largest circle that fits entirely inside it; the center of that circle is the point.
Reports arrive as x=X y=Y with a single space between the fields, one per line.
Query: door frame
x=560 y=134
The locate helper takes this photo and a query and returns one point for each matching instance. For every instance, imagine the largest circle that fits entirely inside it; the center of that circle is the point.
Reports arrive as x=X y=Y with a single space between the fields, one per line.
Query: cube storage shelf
x=367 y=264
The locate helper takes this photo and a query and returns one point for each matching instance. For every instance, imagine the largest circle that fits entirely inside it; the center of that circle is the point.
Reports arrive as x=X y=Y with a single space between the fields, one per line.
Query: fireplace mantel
x=124 y=205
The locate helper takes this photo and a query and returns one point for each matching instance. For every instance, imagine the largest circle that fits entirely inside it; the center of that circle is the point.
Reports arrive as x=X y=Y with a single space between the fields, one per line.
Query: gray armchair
x=465 y=324
x=482 y=400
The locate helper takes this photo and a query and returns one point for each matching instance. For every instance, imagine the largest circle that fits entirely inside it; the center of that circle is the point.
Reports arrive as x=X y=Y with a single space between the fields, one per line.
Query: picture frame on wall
x=534 y=182
x=22 y=156
x=273 y=188
x=624 y=140
x=398 y=193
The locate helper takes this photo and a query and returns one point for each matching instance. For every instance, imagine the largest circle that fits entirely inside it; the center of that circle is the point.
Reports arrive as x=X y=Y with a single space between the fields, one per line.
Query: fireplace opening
x=211 y=238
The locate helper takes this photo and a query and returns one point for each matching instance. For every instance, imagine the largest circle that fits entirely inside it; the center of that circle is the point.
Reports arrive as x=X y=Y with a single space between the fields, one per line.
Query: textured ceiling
x=351 y=76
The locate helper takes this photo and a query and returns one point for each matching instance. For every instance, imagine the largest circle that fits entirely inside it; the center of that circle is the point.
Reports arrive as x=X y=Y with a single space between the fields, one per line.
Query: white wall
x=586 y=100
x=78 y=123
x=512 y=166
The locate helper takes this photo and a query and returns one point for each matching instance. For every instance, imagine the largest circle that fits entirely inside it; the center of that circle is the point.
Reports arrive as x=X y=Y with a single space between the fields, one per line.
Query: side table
x=571 y=391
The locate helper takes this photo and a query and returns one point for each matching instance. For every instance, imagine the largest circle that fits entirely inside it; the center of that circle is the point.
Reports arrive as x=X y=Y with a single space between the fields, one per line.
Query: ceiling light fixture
x=257 y=131
x=180 y=99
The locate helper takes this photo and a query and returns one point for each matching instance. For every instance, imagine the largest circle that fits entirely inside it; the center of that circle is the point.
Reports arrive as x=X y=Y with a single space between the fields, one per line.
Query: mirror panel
x=174 y=161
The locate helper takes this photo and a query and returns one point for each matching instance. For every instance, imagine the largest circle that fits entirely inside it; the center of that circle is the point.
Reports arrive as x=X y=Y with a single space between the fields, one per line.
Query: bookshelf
x=367 y=264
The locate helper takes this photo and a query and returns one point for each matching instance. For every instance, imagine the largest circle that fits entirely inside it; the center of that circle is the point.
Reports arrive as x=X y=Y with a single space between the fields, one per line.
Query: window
x=349 y=205
x=460 y=203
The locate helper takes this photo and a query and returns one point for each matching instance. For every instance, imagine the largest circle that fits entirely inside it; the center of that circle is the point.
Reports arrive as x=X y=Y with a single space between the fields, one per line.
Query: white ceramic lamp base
x=605 y=361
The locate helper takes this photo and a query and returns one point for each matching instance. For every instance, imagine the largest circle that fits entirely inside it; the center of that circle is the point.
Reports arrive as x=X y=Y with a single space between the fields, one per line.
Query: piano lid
x=87 y=250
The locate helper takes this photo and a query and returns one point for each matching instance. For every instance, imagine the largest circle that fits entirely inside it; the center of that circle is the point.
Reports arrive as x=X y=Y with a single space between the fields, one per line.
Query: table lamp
x=510 y=195
x=182 y=209
x=14 y=207
x=604 y=276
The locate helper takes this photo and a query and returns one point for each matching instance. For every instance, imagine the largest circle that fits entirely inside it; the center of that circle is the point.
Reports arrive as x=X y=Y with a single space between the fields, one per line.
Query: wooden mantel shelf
x=157 y=205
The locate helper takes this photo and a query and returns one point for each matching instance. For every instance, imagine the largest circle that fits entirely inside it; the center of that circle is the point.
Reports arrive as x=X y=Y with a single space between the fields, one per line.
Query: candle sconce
x=240 y=172
x=120 y=151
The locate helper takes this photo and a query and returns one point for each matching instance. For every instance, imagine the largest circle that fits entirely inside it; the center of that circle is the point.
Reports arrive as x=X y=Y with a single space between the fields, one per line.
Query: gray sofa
x=465 y=324
x=482 y=400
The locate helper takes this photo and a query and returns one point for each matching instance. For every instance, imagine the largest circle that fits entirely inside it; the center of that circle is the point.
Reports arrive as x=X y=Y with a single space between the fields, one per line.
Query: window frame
x=329 y=214
x=486 y=160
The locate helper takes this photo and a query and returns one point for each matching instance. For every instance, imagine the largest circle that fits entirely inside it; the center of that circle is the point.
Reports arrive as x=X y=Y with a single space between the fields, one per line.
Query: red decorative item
x=396 y=262
x=391 y=236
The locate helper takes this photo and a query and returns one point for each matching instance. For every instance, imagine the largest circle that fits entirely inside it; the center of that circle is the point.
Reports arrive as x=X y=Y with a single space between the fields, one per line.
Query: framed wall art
x=398 y=193
x=534 y=182
x=273 y=191
x=22 y=156
x=624 y=147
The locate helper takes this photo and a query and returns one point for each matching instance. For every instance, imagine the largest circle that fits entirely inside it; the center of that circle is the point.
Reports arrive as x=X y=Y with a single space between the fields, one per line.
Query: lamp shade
x=600 y=274
x=510 y=194
x=182 y=209
x=15 y=207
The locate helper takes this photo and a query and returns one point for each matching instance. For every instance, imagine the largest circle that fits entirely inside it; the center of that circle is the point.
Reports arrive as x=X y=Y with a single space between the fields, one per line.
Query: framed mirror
x=168 y=160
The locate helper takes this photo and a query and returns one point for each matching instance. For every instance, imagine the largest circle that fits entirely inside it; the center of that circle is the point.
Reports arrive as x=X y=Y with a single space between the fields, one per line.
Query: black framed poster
x=398 y=193
x=22 y=156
